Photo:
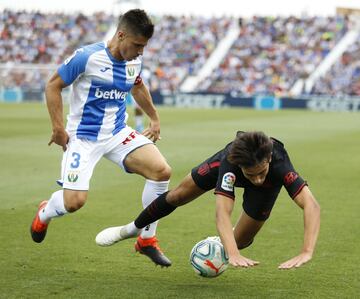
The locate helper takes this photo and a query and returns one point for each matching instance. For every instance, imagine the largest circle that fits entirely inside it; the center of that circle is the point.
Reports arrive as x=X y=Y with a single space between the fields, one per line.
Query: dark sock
x=159 y=208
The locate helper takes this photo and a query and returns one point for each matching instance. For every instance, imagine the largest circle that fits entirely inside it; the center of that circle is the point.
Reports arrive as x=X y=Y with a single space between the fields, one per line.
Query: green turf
x=325 y=149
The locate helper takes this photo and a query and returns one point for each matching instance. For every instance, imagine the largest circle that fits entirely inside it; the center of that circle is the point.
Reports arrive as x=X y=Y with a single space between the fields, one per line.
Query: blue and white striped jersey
x=100 y=84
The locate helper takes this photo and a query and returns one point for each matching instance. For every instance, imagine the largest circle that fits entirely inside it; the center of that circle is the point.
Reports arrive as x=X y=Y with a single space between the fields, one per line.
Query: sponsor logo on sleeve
x=290 y=177
x=228 y=181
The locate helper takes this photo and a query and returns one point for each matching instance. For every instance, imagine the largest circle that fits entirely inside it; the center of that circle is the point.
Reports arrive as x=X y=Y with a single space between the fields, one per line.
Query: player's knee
x=74 y=201
x=162 y=172
x=242 y=245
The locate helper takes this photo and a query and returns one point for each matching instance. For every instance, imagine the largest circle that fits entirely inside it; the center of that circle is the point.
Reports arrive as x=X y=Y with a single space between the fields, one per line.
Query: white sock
x=54 y=208
x=152 y=190
x=131 y=229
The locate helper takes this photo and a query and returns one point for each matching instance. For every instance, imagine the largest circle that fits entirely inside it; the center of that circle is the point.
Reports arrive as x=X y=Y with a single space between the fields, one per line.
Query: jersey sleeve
x=226 y=180
x=291 y=180
x=73 y=66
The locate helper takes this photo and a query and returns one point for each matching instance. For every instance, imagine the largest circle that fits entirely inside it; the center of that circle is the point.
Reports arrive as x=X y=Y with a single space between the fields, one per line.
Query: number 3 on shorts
x=76 y=162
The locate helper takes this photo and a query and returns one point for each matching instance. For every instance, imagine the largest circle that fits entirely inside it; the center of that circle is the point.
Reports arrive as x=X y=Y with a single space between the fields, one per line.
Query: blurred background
x=261 y=55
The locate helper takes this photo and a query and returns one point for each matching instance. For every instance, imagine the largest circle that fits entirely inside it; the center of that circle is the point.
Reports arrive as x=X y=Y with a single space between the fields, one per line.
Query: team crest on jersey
x=132 y=71
x=72 y=176
x=290 y=177
x=228 y=181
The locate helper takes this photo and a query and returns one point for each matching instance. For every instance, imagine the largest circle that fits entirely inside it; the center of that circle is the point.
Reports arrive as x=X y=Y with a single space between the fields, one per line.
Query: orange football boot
x=38 y=229
x=151 y=249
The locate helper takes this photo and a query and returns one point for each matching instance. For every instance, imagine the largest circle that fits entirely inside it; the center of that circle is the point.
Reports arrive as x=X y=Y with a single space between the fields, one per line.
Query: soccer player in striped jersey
x=102 y=75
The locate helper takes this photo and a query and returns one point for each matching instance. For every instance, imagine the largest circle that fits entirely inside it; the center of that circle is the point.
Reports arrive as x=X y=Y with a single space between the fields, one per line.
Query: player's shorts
x=206 y=174
x=257 y=202
x=82 y=155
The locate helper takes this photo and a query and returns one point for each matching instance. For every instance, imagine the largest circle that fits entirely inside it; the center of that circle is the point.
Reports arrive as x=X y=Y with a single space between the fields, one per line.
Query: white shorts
x=82 y=155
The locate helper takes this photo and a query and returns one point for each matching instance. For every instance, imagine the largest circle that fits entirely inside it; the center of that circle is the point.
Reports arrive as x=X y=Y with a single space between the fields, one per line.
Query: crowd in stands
x=268 y=57
x=47 y=38
x=43 y=39
x=270 y=54
x=344 y=76
x=180 y=46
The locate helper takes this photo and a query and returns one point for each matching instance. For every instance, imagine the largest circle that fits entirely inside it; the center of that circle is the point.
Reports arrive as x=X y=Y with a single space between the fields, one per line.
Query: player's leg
x=257 y=206
x=62 y=202
x=166 y=203
x=77 y=166
x=246 y=229
x=162 y=206
x=137 y=154
x=191 y=187
x=148 y=162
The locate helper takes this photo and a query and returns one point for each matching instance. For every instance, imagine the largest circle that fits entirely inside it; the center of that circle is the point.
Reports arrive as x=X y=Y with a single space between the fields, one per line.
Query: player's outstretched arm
x=224 y=207
x=311 y=208
x=55 y=108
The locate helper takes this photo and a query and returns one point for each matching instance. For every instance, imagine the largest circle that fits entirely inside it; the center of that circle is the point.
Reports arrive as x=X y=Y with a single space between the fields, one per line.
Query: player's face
x=257 y=174
x=131 y=46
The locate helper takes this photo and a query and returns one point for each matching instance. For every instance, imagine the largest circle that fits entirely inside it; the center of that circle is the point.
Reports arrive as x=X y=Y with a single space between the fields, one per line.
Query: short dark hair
x=137 y=22
x=250 y=149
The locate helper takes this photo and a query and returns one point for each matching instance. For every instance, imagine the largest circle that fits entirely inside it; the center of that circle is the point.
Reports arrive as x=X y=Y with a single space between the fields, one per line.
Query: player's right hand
x=241 y=261
x=153 y=131
x=59 y=137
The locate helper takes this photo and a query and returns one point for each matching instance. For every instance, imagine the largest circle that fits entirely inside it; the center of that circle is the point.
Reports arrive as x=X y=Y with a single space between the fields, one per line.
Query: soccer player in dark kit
x=258 y=164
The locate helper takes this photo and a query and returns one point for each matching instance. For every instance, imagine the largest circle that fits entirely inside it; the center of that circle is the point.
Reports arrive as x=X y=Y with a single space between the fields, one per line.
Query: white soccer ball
x=208 y=257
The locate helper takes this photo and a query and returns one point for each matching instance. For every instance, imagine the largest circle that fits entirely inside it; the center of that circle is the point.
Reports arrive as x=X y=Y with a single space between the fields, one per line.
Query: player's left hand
x=153 y=131
x=296 y=261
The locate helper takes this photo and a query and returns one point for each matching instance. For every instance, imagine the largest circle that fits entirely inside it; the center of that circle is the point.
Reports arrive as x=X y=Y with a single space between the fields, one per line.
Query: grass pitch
x=325 y=150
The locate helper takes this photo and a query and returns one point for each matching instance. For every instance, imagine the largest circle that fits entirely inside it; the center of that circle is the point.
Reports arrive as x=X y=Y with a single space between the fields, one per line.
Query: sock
x=139 y=124
x=152 y=190
x=157 y=209
x=54 y=208
x=131 y=229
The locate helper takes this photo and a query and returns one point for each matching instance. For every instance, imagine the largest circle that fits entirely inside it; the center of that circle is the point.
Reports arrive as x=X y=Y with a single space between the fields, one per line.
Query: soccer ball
x=208 y=257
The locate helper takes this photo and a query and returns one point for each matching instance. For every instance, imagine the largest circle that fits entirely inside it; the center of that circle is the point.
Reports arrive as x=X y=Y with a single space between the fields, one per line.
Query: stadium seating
x=180 y=46
x=272 y=53
x=47 y=38
x=344 y=76
x=268 y=57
